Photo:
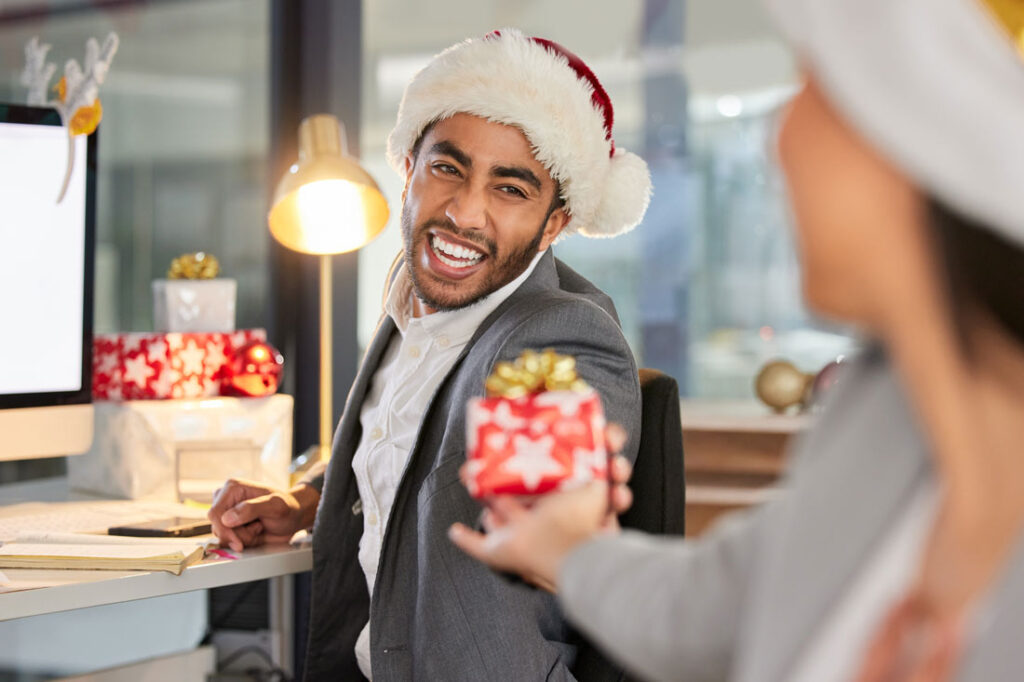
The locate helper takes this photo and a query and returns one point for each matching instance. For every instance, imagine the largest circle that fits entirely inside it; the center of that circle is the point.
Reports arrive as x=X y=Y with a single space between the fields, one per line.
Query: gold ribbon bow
x=198 y=265
x=534 y=372
x=1010 y=15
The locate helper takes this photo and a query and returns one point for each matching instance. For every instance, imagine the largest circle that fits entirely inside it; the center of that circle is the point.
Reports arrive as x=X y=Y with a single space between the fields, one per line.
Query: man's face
x=477 y=207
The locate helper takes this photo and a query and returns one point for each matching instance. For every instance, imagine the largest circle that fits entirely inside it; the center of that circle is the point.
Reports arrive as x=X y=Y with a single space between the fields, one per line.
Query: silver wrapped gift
x=194 y=305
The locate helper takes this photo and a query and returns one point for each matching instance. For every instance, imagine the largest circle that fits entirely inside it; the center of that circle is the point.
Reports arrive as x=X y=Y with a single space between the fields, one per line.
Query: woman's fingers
x=615 y=436
x=621 y=469
x=477 y=545
x=621 y=498
x=507 y=508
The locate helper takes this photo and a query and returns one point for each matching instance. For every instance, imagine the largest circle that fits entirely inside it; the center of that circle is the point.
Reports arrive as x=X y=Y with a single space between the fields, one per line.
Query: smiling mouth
x=454 y=255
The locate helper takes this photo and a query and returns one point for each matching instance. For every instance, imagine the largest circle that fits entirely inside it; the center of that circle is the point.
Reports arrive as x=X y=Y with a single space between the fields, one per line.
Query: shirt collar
x=458 y=325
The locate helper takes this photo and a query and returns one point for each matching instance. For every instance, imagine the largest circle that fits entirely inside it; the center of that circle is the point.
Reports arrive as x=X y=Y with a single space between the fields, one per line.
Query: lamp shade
x=326 y=203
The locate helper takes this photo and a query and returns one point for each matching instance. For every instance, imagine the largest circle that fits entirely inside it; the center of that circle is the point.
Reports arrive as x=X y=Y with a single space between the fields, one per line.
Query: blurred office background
x=200 y=115
x=190 y=146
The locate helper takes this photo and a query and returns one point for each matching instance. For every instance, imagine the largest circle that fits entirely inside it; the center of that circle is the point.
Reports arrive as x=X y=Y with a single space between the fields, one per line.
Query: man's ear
x=556 y=222
x=409 y=161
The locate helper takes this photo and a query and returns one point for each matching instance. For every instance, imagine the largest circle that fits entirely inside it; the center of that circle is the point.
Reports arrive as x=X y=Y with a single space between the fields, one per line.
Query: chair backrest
x=659 y=493
x=658 y=482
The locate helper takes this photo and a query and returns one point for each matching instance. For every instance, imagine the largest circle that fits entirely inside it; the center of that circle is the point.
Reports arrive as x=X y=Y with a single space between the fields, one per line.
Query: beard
x=498 y=268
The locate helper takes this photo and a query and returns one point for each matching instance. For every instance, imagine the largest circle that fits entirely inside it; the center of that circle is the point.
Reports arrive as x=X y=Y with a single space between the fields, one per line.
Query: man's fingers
x=248 y=510
x=228 y=537
x=250 y=535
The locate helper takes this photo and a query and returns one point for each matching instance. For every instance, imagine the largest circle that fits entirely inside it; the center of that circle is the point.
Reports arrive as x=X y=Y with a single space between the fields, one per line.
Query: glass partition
x=707 y=288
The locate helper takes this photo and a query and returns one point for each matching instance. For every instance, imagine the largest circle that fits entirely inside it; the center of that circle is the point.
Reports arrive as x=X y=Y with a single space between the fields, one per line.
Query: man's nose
x=467 y=208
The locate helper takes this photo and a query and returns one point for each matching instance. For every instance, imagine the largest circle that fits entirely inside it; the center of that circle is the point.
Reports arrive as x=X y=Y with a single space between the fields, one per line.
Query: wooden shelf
x=738 y=416
x=734 y=454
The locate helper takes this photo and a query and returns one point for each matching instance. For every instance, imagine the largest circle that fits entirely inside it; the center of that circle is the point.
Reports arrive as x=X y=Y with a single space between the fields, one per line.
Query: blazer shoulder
x=561 y=315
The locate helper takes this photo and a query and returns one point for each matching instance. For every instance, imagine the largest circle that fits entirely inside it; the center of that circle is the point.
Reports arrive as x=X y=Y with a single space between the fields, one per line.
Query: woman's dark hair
x=985 y=272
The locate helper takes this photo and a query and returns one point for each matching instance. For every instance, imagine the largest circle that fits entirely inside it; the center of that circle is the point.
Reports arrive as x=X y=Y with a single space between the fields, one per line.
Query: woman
x=897 y=552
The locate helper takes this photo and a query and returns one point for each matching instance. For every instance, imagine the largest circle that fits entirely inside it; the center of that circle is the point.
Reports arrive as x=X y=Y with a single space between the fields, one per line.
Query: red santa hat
x=556 y=100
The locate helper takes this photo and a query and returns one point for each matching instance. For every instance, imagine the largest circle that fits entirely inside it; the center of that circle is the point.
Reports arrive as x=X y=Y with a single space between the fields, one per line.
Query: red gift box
x=148 y=365
x=534 y=444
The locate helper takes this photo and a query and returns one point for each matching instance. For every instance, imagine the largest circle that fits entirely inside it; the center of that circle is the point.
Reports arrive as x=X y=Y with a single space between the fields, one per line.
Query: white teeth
x=466 y=256
x=455 y=263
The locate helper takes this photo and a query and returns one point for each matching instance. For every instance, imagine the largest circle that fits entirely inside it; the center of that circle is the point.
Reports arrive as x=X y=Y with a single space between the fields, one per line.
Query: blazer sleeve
x=666 y=608
x=603 y=358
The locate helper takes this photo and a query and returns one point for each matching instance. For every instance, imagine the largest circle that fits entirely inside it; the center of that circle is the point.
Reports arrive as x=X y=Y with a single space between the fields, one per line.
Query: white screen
x=42 y=247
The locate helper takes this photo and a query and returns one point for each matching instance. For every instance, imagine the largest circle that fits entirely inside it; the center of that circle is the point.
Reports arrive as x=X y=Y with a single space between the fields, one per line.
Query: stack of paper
x=79 y=551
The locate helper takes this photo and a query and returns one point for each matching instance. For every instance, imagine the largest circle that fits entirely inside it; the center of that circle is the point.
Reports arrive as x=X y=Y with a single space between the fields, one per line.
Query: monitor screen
x=46 y=275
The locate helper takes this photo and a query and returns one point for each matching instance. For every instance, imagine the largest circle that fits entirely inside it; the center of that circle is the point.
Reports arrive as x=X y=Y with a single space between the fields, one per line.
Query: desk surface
x=36 y=591
x=64 y=590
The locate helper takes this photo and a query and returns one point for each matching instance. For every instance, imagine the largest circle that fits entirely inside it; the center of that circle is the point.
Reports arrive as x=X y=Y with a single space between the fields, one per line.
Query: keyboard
x=84 y=517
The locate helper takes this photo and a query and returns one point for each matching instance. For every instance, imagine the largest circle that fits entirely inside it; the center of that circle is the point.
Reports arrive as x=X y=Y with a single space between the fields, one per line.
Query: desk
x=74 y=589
x=81 y=589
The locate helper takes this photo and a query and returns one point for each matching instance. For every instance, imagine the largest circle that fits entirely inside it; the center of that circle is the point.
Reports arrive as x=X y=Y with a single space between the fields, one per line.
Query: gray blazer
x=436 y=613
x=742 y=602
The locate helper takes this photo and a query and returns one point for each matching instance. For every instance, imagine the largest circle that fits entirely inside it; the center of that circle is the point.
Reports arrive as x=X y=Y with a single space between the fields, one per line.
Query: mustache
x=488 y=245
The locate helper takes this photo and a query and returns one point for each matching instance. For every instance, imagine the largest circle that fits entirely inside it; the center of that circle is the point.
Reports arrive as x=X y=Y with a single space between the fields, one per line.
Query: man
x=505 y=144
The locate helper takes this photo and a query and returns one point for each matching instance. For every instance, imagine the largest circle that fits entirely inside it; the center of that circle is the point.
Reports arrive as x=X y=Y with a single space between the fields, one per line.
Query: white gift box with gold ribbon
x=194 y=305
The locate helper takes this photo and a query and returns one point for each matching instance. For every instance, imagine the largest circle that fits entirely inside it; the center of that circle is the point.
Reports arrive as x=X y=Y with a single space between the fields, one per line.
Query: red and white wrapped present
x=152 y=365
x=535 y=442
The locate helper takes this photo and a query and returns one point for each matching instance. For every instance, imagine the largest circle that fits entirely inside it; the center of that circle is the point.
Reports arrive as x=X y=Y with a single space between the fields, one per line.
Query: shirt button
x=443 y=341
x=376 y=433
x=372 y=519
x=414 y=351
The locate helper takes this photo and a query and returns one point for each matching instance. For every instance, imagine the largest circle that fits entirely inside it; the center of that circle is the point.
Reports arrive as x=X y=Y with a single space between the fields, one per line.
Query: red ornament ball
x=253 y=370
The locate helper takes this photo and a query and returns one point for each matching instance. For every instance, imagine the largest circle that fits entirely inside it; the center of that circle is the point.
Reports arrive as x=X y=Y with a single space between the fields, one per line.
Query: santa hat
x=935 y=85
x=556 y=100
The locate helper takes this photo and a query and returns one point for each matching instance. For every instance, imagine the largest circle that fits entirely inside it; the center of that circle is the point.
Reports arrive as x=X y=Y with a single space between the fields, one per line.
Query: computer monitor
x=46 y=286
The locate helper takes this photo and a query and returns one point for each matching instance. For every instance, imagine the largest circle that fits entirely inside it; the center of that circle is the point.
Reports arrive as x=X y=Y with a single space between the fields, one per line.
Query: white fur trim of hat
x=537 y=86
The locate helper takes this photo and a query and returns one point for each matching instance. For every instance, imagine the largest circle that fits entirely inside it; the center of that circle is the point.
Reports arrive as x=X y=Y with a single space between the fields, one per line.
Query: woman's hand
x=534 y=541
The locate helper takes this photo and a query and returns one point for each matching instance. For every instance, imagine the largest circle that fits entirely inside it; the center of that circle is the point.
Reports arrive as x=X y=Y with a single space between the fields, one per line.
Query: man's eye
x=446 y=168
x=513 y=191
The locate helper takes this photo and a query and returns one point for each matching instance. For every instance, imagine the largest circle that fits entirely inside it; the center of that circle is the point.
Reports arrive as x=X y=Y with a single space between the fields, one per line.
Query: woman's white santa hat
x=551 y=95
x=894 y=69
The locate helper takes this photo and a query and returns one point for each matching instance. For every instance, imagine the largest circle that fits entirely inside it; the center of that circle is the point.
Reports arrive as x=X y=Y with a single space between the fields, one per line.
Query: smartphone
x=172 y=527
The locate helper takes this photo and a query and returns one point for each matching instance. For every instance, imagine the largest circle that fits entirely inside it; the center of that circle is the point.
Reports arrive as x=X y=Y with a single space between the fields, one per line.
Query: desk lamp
x=324 y=205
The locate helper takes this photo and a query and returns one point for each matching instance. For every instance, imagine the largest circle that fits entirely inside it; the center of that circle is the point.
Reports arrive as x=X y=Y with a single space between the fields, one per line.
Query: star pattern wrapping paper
x=153 y=365
x=534 y=444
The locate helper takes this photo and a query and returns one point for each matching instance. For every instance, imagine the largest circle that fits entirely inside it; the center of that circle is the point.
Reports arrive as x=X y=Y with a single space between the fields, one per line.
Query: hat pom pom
x=627 y=192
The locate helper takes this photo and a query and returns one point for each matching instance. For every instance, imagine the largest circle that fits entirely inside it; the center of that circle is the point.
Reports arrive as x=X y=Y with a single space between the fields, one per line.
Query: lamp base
x=310 y=457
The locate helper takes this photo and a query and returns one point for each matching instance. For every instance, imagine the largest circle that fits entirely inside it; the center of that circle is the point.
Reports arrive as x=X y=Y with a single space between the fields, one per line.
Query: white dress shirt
x=411 y=369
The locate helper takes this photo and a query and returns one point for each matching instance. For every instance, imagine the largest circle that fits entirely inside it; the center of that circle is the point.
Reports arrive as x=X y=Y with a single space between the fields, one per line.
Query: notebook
x=71 y=551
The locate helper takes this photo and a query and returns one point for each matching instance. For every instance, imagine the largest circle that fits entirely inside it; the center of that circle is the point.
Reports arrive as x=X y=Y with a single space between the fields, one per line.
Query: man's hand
x=247 y=514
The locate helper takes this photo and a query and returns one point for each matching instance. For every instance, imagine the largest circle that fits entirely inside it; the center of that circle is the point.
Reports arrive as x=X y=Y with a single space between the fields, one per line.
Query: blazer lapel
x=859 y=466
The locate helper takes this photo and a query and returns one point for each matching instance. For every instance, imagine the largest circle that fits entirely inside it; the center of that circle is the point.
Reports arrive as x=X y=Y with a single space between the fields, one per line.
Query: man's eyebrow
x=524 y=174
x=448 y=149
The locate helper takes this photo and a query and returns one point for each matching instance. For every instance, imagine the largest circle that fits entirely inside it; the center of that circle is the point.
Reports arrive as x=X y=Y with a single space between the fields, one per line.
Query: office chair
x=659 y=493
